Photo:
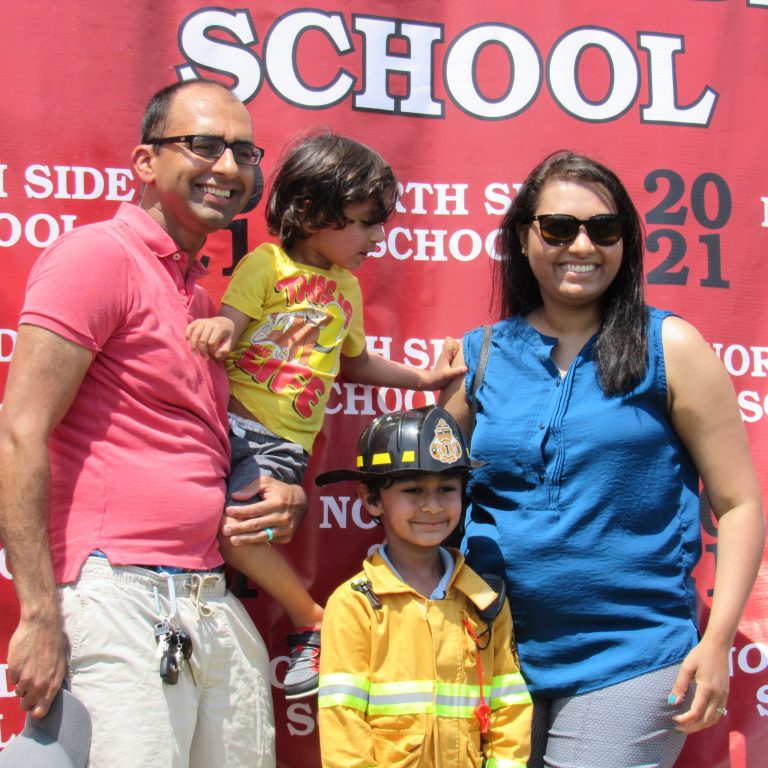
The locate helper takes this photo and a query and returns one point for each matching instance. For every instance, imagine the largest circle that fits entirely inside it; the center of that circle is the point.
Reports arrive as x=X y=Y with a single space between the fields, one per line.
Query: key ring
x=270 y=534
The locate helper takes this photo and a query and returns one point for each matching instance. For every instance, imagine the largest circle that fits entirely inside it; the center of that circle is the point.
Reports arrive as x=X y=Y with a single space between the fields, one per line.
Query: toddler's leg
x=252 y=455
x=269 y=570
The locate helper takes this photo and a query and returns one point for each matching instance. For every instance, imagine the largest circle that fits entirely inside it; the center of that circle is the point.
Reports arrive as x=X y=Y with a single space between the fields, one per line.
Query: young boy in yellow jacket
x=419 y=666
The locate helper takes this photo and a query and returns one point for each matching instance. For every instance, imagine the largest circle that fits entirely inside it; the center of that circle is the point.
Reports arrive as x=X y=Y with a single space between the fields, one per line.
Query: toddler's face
x=347 y=247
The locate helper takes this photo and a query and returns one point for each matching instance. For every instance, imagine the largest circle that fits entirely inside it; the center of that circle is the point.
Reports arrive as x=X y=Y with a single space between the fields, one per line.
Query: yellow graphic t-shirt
x=283 y=366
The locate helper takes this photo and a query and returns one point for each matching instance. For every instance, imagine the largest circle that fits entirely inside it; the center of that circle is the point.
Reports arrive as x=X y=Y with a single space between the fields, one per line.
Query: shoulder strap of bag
x=482 y=362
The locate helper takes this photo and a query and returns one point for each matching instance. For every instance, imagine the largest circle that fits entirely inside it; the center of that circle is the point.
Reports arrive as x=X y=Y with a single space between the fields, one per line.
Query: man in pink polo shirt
x=113 y=461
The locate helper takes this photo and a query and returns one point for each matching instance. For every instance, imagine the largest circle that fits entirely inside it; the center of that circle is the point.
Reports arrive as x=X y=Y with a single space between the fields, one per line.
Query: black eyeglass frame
x=189 y=140
x=590 y=224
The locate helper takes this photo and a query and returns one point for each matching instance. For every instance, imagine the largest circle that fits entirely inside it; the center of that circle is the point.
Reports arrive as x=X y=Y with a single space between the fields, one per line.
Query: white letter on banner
x=218 y=55
x=419 y=188
x=662 y=85
x=3 y=193
x=456 y=196
x=81 y=173
x=6 y=351
x=117 y=180
x=383 y=348
x=524 y=64
x=335 y=508
x=430 y=239
x=417 y=65
x=562 y=71
x=14 y=233
x=280 y=57
x=392 y=237
x=475 y=245
x=38 y=176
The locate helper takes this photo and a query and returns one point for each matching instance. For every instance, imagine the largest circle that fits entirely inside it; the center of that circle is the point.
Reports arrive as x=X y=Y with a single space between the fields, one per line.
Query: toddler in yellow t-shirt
x=290 y=320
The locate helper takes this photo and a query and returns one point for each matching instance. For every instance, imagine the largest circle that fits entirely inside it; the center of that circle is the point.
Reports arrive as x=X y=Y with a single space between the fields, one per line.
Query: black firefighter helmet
x=420 y=440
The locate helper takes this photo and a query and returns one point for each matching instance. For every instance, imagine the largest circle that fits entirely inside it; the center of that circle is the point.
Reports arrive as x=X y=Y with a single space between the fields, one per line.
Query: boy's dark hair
x=318 y=178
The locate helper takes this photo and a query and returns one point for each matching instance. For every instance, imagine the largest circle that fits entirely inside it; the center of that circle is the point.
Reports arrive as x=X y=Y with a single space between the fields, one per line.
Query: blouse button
x=541 y=478
x=541 y=426
x=177 y=257
x=558 y=382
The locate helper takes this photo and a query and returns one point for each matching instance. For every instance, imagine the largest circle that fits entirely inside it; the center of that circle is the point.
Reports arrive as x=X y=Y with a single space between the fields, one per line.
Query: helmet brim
x=344 y=475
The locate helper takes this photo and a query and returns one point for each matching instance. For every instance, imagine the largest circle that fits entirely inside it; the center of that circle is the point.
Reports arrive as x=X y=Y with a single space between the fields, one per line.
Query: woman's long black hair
x=620 y=350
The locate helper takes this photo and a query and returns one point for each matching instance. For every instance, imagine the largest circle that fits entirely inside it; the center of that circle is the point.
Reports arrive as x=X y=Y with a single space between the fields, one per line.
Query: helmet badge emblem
x=444 y=447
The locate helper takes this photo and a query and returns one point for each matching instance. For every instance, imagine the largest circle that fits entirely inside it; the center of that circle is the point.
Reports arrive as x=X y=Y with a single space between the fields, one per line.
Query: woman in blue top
x=596 y=417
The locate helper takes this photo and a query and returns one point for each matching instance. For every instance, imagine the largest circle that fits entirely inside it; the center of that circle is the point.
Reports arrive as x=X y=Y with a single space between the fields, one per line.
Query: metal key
x=169 y=661
x=184 y=651
x=184 y=642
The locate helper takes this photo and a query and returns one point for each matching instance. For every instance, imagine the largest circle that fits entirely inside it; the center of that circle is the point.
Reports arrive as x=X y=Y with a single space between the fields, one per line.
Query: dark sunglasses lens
x=558 y=229
x=604 y=229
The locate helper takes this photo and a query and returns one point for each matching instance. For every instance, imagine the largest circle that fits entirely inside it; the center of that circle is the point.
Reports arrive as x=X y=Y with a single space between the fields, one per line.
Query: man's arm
x=44 y=376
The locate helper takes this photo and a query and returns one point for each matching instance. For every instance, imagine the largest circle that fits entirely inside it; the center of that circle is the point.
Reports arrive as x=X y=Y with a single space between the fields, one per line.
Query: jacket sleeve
x=507 y=743
x=345 y=736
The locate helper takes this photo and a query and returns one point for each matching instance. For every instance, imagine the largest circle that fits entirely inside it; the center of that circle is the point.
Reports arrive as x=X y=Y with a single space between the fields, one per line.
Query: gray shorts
x=256 y=451
x=624 y=725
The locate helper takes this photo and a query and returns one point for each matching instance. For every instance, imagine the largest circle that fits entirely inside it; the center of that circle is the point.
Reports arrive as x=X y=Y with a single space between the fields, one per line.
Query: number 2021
x=669 y=212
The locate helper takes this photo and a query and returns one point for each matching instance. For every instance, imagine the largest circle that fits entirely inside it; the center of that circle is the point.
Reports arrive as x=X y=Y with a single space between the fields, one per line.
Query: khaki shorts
x=220 y=718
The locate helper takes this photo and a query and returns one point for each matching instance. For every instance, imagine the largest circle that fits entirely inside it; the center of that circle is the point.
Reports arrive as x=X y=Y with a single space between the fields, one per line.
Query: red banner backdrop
x=463 y=100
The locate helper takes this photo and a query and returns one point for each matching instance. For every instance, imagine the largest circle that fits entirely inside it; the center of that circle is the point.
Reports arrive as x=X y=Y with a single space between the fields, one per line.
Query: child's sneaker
x=304 y=667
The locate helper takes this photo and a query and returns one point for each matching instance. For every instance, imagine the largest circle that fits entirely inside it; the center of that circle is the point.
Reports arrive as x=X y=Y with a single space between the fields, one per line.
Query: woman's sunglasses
x=562 y=228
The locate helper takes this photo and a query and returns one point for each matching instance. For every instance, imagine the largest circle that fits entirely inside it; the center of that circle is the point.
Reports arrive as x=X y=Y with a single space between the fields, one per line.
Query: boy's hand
x=445 y=371
x=211 y=337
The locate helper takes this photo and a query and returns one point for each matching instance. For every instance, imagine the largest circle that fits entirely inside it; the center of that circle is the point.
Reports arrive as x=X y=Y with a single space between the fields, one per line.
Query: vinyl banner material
x=463 y=100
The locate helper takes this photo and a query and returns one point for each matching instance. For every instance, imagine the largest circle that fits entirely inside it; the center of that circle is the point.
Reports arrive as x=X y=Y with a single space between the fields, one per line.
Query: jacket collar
x=464 y=579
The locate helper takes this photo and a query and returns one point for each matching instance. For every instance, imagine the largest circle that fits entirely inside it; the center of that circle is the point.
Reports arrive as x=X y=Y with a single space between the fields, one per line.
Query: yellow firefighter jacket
x=399 y=683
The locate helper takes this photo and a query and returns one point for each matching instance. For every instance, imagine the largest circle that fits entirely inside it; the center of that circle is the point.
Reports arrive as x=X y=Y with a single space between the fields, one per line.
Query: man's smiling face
x=191 y=196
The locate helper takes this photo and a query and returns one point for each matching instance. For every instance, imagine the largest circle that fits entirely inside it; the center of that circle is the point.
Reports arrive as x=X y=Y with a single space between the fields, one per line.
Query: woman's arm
x=454 y=398
x=706 y=416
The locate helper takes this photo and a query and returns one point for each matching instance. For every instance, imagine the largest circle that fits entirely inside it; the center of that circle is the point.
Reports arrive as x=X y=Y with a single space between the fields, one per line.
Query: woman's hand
x=707 y=666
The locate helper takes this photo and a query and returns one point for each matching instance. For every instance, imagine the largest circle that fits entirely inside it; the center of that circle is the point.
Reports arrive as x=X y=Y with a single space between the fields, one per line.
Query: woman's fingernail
x=672 y=699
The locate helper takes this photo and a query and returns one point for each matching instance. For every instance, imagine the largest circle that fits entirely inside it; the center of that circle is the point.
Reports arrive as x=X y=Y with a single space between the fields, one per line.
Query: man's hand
x=277 y=507
x=36 y=663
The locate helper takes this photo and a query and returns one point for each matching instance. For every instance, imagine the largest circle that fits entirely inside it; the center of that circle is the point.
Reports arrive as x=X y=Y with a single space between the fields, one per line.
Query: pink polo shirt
x=139 y=462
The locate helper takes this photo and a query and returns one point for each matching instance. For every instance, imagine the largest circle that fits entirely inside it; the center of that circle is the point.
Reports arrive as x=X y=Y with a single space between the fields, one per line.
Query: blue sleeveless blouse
x=589 y=504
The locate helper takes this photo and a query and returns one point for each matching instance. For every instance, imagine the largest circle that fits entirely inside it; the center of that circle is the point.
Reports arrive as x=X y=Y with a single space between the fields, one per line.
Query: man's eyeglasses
x=562 y=228
x=212 y=147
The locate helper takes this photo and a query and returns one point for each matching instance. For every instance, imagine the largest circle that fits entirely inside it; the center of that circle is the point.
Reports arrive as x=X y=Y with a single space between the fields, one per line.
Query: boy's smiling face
x=419 y=511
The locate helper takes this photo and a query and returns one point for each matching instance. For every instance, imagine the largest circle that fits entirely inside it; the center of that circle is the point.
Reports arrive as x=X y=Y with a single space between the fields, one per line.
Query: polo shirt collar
x=157 y=240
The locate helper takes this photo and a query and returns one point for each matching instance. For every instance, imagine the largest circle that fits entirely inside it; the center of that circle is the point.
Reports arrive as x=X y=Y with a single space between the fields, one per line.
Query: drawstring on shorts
x=197 y=584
